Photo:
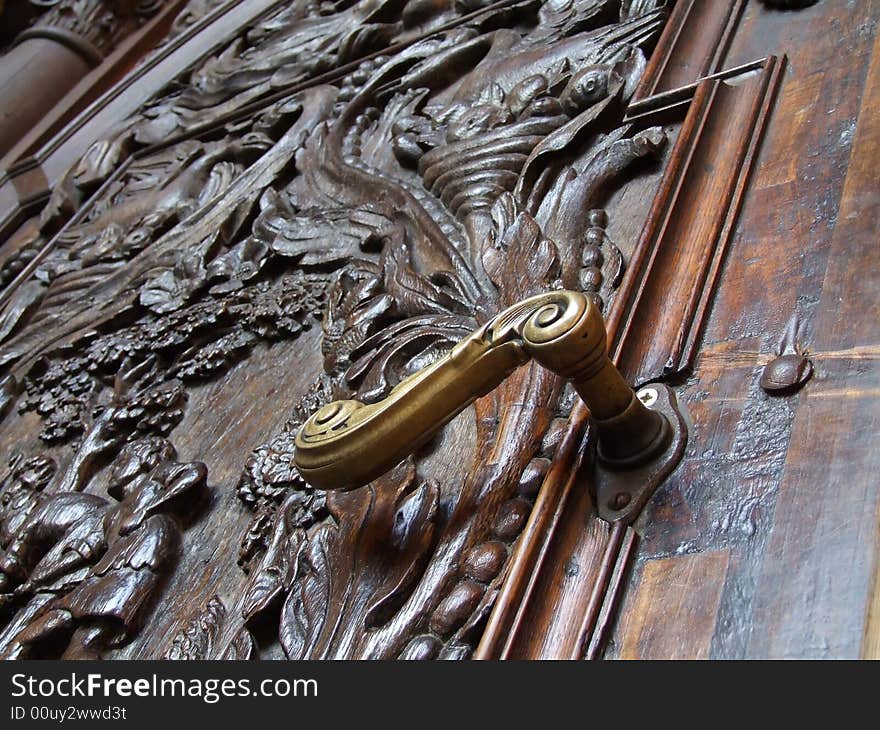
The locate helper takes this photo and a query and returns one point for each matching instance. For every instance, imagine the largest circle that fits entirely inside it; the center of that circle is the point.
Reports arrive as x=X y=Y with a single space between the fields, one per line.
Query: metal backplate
x=622 y=493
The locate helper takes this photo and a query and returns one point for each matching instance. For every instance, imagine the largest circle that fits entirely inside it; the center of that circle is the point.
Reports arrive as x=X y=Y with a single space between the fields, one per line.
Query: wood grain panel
x=531 y=551
x=819 y=572
x=672 y=614
x=785 y=484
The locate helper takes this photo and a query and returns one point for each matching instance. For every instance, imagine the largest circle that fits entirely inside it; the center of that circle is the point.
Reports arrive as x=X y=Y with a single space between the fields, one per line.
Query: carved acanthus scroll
x=398 y=207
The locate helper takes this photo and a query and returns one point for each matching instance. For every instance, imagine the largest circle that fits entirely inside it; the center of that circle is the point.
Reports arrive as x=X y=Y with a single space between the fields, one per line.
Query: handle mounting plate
x=622 y=493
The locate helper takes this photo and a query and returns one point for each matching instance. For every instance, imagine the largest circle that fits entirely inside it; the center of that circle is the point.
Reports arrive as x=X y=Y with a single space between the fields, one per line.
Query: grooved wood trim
x=682 y=246
x=693 y=45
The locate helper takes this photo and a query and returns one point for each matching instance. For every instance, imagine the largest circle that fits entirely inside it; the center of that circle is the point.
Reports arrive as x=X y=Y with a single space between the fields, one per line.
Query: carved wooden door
x=290 y=203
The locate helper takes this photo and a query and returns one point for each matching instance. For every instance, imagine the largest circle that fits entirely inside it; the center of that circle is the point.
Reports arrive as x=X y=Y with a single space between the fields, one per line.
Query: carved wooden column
x=14 y=18
x=49 y=58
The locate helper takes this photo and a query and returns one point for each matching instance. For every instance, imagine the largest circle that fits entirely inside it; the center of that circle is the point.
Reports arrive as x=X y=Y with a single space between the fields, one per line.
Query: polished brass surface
x=346 y=443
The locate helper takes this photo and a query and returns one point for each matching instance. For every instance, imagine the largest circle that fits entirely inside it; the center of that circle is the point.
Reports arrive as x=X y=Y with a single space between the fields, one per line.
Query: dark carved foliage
x=191 y=343
x=400 y=207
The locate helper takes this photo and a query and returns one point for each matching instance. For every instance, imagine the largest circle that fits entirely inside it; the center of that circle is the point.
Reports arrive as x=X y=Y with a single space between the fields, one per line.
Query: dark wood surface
x=278 y=208
x=771 y=524
x=37 y=161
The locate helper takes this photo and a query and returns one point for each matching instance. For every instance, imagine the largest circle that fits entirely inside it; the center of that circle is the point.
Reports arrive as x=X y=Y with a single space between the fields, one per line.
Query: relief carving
x=398 y=208
x=85 y=567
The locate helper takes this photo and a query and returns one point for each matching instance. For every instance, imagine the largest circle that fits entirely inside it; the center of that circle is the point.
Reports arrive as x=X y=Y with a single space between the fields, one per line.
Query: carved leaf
x=195 y=641
x=315 y=236
x=384 y=359
x=242 y=647
x=367 y=38
x=412 y=535
x=518 y=258
x=273 y=576
x=413 y=517
x=173 y=287
x=305 y=610
x=413 y=293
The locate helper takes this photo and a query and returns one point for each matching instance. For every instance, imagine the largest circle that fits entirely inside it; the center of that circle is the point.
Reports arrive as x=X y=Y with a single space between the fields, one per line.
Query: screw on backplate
x=619 y=500
x=648 y=396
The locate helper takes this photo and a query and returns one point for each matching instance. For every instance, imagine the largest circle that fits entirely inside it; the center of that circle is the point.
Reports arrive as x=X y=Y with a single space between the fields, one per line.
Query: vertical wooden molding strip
x=694 y=44
x=871 y=637
x=534 y=544
x=599 y=632
x=678 y=258
x=607 y=568
x=565 y=541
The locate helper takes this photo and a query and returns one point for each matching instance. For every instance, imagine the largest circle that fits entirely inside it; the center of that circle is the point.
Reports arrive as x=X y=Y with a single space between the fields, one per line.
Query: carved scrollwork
x=399 y=208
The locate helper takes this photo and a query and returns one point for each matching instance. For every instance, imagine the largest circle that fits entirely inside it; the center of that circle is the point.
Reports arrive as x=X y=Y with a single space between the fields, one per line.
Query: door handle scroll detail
x=346 y=444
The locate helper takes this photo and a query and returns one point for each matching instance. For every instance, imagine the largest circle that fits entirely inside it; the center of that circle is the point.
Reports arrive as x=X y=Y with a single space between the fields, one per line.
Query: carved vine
x=403 y=205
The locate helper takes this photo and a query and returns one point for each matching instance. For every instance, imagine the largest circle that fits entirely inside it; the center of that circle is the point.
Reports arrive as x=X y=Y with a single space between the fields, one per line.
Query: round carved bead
x=546 y=106
x=584 y=89
x=455 y=609
x=594 y=236
x=511 y=518
x=592 y=255
x=598 y=217
x=421 y=648
x=591 y=278
x=484 y=561
x=533 y=476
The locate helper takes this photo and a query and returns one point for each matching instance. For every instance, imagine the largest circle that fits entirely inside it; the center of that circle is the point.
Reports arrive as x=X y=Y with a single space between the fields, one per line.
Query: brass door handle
x=346 y=444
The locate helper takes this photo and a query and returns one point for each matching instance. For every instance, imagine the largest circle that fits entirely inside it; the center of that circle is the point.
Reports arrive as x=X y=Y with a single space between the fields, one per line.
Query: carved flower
x=215 y=357
x=280 y=310
x=269 y=471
